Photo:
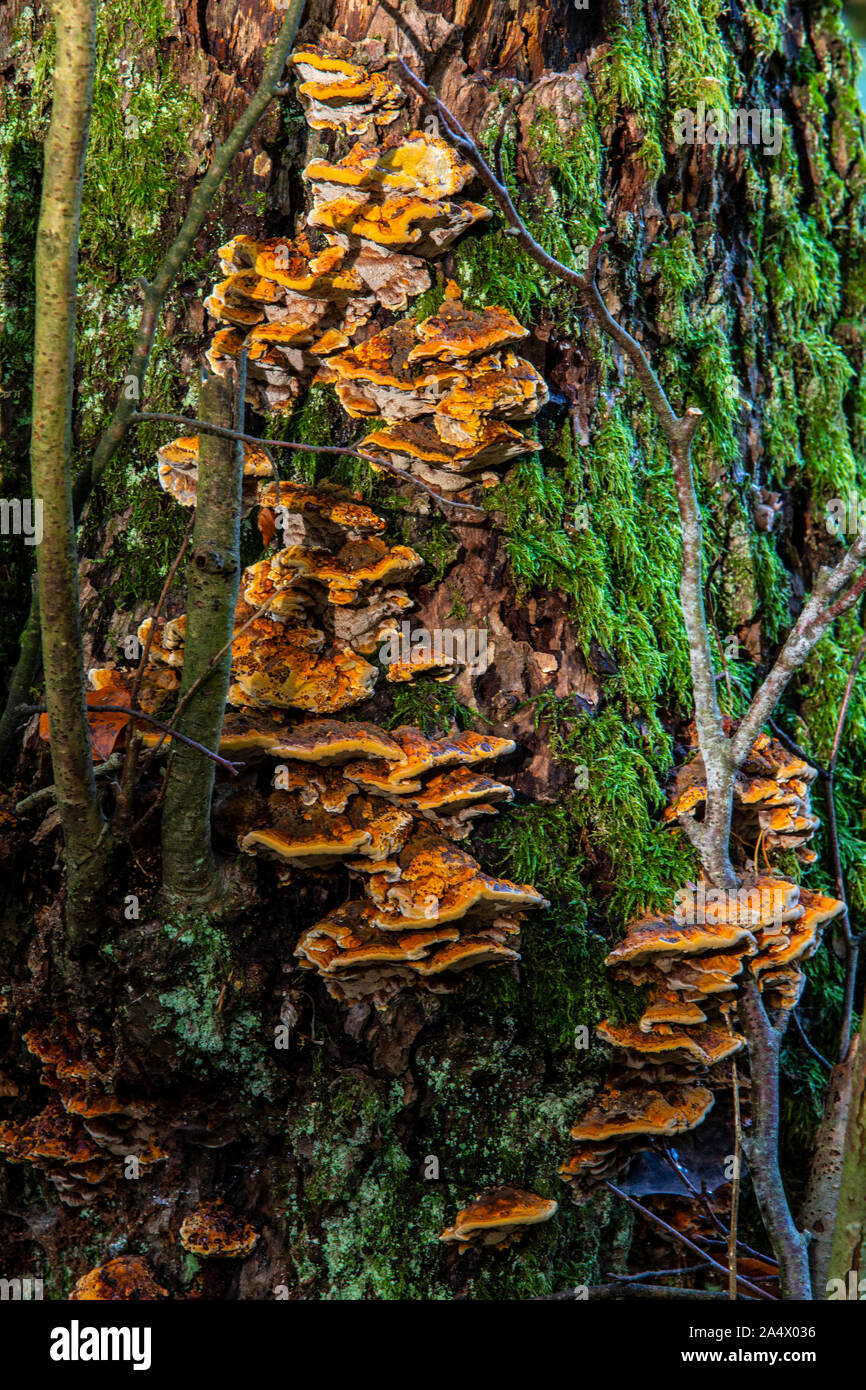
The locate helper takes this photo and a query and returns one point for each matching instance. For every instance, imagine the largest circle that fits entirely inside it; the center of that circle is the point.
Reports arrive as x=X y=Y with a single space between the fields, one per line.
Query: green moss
x=765 y=26
x=430 y=706
x=139 y=136
x=700 y=63
x=629 y=78
x=604 y=822
x=599 y=526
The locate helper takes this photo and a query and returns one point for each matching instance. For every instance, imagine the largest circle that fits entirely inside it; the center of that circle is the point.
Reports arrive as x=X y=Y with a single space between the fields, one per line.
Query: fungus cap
x=215 y=1231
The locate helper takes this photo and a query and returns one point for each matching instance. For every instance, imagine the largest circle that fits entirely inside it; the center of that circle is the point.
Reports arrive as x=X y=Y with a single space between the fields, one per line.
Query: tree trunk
x=352 y=1147
x=189 y=867
x=820 y=1209
x=849 y=1238
x=50 y=457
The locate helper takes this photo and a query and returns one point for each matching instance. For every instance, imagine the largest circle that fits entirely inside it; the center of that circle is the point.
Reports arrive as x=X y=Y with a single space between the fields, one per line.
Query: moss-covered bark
x=743 y=275
x=50 y=461
x=213 y=574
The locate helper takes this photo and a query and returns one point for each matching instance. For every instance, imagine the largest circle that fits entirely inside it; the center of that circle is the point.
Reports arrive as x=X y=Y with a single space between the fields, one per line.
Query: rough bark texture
x=819 y=1211
x=849 y=1239
x=739 y=274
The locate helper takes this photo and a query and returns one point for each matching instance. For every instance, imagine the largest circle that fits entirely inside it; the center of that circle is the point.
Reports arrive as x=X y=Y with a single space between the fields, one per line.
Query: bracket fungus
x=177 y=470
x=127 y=1279
x=772 y=798
x=446 y=389
x=88 y=1125
x=664 y=1080
x=215 y=1231
x=330 y=594
x=389 y=807
x=499 y=1217
x=340 y=92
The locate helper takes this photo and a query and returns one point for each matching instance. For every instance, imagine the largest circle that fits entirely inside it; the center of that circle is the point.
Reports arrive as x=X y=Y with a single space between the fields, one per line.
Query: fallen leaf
x=108 y=730
x=267 y=524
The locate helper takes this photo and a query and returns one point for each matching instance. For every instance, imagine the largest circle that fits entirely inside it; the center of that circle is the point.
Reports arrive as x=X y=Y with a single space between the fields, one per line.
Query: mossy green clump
x=430 y=706
x=142 y=115
x=604 y=825
x=380 y=1195
x=599 y=525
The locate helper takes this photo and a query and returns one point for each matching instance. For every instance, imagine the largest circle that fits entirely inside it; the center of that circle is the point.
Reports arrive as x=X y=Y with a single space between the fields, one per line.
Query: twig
x=123 y=809
x=624 y=1292
x=146 y=416
x=679 y=432
x=810 y=1046
x=37 y=799
x=846 y=701
x=136 y=714
x=684 y=1240
x=701 y=1197
x=658 y=1273
x=735 y=1185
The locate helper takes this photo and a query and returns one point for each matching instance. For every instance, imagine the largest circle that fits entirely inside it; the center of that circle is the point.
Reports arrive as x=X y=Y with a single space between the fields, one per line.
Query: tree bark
x=820 y=1208
x=189 y=865
x=54 y=355
x=849 y=1239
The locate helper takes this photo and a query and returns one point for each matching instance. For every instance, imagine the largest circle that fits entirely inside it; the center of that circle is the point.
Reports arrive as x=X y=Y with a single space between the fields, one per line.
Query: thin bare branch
x=689 y=1244
x=140 y=714
x=142 y=417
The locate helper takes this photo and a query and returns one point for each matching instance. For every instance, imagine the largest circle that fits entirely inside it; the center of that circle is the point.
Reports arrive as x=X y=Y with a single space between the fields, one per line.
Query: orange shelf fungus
x=339 y=92
x=331 y=596
x=389 y=808
x=177 y=470
x=78 y=1139
x=429 y=913
x=693 y=959
x=128 y=1279
x=215 y=1231
x=447 y=394
x=772 y=798
x=499 y=1217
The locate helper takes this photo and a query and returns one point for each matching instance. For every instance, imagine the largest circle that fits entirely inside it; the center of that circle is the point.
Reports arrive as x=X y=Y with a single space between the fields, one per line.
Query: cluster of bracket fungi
x=390 y=806
x=87 y=1129
x=93 y=1128
x=694 y=959
x=772 y=798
